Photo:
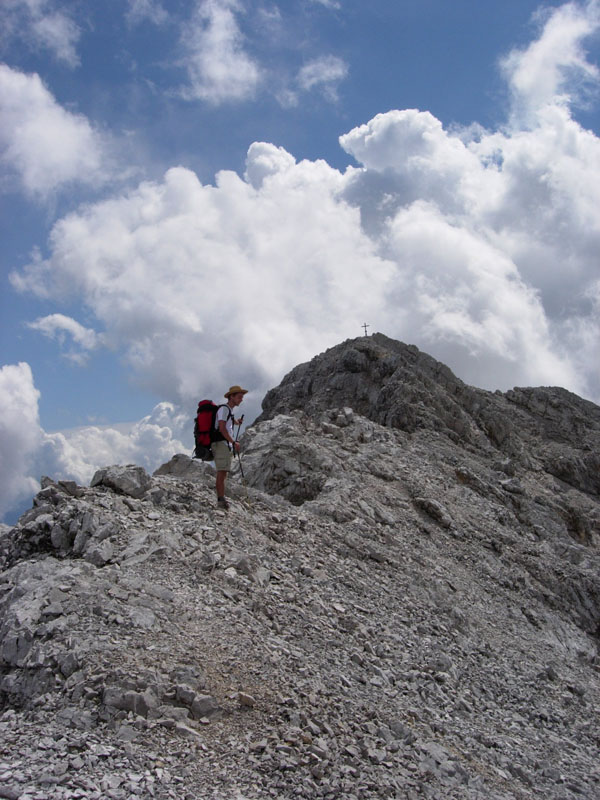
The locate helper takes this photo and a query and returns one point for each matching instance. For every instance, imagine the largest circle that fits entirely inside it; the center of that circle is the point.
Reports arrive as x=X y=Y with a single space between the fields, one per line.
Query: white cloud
x=27 y=452
x=44 y=145
x=218 y=67
x=78 y=453
x=466 y=297
x=58 y=326
x=510 y=216
x=481 y=247
x=410 y=151
x=221 y=68
x=286 y=255
x=324 y=72
x=553 y=70
x=519 y=205
x=265 y=160
x=39 y=24
x=182 y=274
x=20 y=434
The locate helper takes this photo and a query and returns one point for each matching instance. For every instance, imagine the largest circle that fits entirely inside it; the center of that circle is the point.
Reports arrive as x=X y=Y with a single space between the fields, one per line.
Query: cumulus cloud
x=183 y=274
x=526 y=195
x=20 y=434
x=265 y=160
x=27 y=451
x=408 y=156
x=39 y=24
x=478 y=246
x=41 y=143
x=466 y=297
x=78 y=453
x=288 y=256
x=219 y=69
x=554 y=70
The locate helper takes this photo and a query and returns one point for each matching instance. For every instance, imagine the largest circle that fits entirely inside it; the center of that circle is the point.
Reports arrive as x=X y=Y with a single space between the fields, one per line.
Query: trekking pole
x=237 y=433
x=240 y=459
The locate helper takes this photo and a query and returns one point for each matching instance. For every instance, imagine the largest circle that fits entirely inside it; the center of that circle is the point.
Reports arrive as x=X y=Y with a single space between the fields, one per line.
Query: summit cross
x=365 y=326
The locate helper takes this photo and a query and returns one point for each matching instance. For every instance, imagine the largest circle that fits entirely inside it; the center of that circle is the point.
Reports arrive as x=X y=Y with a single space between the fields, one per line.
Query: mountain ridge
x=402 y=602
x=400 y=387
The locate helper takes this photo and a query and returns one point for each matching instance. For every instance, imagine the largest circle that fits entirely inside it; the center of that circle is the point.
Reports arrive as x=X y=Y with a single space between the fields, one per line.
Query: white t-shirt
x=225 y=414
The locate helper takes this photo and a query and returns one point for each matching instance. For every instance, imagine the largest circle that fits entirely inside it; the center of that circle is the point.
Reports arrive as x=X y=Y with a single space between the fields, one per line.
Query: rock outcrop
x=403 y=601
x=402 y=388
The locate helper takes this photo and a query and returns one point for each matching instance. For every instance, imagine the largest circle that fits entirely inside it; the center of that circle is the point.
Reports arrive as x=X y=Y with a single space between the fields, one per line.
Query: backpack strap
x=229 y=411
x=216 y=433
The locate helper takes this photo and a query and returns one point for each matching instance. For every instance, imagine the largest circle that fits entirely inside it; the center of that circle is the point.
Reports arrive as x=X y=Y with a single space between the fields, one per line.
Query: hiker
x=224 y=446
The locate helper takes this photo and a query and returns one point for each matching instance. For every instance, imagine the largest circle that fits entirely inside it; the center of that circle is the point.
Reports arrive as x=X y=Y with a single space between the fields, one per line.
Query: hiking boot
x=222 y=503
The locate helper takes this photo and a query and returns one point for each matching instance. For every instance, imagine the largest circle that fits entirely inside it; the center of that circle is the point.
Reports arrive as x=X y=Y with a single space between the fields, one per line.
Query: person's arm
x=226 y=436
x=223 y=431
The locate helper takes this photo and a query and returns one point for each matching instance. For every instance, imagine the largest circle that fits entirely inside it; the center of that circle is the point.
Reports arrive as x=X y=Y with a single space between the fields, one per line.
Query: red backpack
x=204 y=429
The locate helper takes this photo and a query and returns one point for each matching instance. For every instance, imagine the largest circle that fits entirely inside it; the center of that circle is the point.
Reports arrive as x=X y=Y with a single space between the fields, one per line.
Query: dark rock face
x=403 y=601
x=400 y=387
x=393 y=384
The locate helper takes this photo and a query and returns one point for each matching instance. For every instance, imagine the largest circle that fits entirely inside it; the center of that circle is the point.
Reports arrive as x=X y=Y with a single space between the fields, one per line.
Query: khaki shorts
x=222 y=455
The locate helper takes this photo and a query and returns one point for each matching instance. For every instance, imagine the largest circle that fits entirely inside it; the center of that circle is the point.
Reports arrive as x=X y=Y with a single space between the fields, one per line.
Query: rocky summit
x=403 y=601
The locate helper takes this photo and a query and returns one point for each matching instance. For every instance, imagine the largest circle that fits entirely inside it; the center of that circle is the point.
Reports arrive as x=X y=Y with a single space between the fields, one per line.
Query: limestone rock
x=130 y=480
x=182 y=466
x=403 y=601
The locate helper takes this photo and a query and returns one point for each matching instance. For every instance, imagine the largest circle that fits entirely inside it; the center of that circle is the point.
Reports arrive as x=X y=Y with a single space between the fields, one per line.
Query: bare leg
x=221 y=475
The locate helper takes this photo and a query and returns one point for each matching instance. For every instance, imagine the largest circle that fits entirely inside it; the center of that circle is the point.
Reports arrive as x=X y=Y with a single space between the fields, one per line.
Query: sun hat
x=235 y=390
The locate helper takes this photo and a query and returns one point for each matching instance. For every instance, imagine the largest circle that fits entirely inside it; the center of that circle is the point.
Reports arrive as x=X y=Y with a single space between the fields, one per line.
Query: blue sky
x=196 y=194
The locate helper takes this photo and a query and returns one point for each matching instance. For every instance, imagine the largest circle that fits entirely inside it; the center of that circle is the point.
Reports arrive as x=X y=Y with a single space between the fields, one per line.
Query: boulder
x=129 y=480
